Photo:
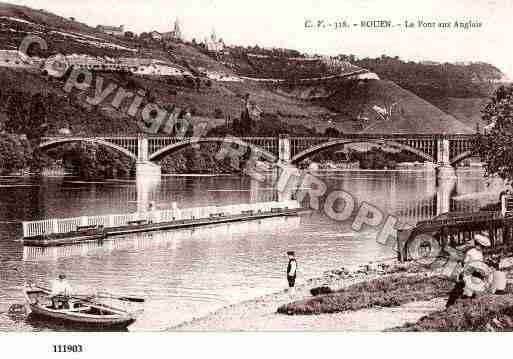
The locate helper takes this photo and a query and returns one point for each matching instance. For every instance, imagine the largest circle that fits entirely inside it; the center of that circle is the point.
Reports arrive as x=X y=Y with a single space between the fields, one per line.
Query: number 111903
x=68 y=348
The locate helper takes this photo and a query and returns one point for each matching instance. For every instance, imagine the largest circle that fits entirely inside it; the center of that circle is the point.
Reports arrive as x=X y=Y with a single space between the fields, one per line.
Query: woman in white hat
x=476 y=276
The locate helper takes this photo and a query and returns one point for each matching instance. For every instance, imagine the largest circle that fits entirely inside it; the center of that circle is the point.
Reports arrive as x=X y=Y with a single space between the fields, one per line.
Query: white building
x=159 y=68
x=366 y=76
x=112 y=30
x=15 y=58
x=57 y=65
x=155 y=35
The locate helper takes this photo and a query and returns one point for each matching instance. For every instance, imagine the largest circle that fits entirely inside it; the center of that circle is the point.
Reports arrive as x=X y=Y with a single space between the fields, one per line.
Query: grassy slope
x=466 y=110
x=384 y=292
x=42 y=23
x=42 y=17
x=485 y=313
x=410 y=115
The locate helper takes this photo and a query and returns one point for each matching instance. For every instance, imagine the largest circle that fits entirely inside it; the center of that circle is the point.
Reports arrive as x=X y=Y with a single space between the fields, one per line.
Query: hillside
x=379 y=106
x=294 y=93
x=283 y=64
x=411 y=114
x=459 y=89
x=318 y=105
x=436 y=80
x=62 y=35
x=466 y=110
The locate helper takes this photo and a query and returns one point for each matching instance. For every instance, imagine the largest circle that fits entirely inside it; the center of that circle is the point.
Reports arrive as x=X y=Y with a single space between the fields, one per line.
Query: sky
x=281 y=23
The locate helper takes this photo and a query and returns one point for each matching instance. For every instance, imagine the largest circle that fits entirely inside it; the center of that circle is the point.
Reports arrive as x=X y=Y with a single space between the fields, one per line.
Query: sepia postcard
x=185 y=167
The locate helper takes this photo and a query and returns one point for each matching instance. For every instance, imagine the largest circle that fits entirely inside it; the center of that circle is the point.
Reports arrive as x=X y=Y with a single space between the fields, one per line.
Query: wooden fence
x=66 y=225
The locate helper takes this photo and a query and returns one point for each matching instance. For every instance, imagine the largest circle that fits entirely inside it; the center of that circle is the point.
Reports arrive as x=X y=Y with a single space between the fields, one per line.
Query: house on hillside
x=365 y=76
x=155 y=35
x=159 y=68
x=15 y=58
x=112 y=30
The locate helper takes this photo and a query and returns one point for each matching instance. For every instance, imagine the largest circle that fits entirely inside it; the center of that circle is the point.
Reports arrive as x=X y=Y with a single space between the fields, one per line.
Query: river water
x=189 y=273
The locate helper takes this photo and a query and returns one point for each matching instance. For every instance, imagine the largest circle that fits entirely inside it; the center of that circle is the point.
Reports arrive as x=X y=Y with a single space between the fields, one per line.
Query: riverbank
x=400 y=298
x=260 y=314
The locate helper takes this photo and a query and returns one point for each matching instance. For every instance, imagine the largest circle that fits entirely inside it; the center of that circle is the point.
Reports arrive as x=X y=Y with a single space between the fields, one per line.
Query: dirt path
x=260 y=314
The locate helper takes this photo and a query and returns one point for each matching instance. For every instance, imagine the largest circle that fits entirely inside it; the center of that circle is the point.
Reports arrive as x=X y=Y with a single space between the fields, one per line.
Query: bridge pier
x=145 y=168
x=444 y=192
x=284 y=150
x=147 y=190
x=444 y=170
x=284 y=190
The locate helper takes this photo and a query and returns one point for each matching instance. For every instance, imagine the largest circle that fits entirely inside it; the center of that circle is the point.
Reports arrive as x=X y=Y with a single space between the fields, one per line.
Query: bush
x=320 y=290
x=486 y=313
x=384 y=292
x=15 y=153
x=218 y=113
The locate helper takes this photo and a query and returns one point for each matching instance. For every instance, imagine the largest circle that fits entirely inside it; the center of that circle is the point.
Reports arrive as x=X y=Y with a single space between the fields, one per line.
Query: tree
x=14 y=110
x=495 y=146
x=36 y=124
x=331 y=132
x=145 y=36
x=218 y=113
x=14 y=153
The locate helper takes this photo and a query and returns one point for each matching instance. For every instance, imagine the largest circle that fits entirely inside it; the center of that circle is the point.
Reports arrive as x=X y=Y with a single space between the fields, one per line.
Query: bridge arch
x=187 y=142
x=462 y=156
x=59 y=141
x=323 y=146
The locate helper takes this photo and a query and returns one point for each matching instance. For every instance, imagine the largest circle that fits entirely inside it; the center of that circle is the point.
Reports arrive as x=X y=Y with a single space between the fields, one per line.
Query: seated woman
x=476 y=276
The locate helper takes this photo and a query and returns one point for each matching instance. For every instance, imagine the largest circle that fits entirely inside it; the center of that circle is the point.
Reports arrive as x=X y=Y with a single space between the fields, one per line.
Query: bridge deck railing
x=461 y=219
x=68 y=225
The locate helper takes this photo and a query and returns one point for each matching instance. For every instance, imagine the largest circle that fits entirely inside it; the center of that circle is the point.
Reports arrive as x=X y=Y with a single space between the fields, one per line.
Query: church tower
x=177 y=30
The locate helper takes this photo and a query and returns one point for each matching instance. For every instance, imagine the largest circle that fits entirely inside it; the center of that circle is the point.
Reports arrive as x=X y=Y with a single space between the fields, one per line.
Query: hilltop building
x=155 y=35
x=58 y=64
x=112 y=30
x=213 y=44
x=175 y=35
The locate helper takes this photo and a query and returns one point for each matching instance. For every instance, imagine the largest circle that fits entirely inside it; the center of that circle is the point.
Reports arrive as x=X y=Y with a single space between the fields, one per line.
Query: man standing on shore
x=291 y=271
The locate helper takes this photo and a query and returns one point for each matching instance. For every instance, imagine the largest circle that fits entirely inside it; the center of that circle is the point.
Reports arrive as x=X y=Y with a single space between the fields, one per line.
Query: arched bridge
x=443 y=150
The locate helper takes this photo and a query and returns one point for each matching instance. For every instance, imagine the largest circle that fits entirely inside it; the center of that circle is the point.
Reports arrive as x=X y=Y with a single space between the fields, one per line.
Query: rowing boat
x=79 y=313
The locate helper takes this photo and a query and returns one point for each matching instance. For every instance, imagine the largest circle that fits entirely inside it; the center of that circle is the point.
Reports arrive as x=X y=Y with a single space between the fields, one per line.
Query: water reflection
x=167 y=240
x=185 y=274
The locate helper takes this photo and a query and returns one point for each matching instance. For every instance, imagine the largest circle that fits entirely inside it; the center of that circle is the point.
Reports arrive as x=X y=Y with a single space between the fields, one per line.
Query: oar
x=86 y=297
x=106 y=295
x=131 y=299
x=123 y=298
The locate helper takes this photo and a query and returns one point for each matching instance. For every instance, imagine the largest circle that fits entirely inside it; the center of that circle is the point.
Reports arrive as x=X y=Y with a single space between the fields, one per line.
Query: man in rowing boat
x=61 y=291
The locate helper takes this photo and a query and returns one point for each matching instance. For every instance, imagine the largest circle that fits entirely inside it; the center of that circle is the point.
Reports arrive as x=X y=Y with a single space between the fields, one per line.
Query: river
x=189 y=273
